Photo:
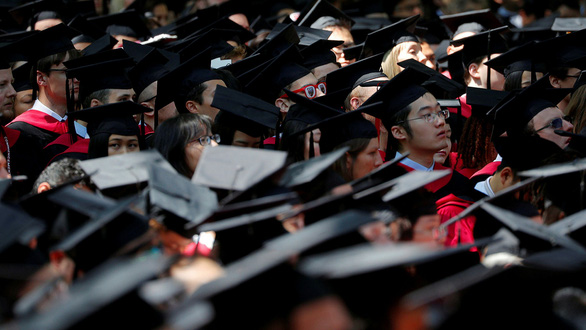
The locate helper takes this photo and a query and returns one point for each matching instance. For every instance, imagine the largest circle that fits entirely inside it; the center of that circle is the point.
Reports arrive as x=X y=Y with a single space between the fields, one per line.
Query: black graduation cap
x=214 y=39
x=482 y=44
x=438 y=84
x=524 y=152
x=102 y=44
x=482 y=100
x=568 y=24
x=29 y=13
x=279 y=42
x=521 y=58
x=113 y=118
x=323 y=11
x=484 y=17
x=88 y=32
x=97 y=73
x=533 y=32
x=234 y=168
x=514 y=112
x=152 y=67
x=128 y=23
x=531 y=234
x=276 y=75
x=307 y=36
x=178 y=82
x=244 y=112
x=108 y=292
x=354 y=74
x=306 y=171
x=18 y=228
x=353 y=52
x=319 y=53
x=53 y=40
x=385 y=39
x=398 y=93
x=564 y=51
x=185 y=205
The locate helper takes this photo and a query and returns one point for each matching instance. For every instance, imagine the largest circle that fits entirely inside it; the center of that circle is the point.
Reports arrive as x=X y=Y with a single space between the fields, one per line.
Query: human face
x=56 y=80
x=366 y=161
x=23 y=101
x=208 y=96
x=441 y=156
x=244 y=140
x=193 y=151
x=497 y=80
x=47 y=23
x=7 y=92
x=425 y=229
x=426 y=138
x=411 y=50
x=122 y=144
x=428 y=52
x=341 y=33
x=304 y=81
x=121 y=95
x=544 y=118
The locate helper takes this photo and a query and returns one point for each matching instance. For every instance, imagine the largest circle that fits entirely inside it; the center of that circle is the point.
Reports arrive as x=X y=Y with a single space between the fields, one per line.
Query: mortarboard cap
x=234 y=168
x=277 y=74
x=396 y=94
x=149 y=69
x=564 y=51
x=102 y=44
x=514 y=112
x=484 y=19
x=54 y=40
x=127 y=23
x=306 y=36
x=439 y=85
x=21 y=77
x=482 y=44
x=524 y=152
x=216 y=40
x=29 y=13
x=109 y=292
x=112 y=230
x=279 y=42
x=568 y=24
x=350 y=75
x=482 y=100
x=18 y=228
x=186 y=205
x=533 y=32
x=532 y=235
x=244 y=112
x=121 y=170
x=97 y=73
x=353 y=52
x=383 y=40
x=179 y=81
x=306 y=171
x=313 y=15
x=319 y=53
x=88 y=32
x=517 y=59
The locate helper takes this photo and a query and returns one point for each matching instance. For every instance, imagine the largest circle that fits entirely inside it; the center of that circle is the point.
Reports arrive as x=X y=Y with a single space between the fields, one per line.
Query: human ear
x=41 y=78
x=191 y=106
x=44 y=186
x=555 y=82
x=473 y=70
x=399 y=133
x=282 y=105
x=355 y=103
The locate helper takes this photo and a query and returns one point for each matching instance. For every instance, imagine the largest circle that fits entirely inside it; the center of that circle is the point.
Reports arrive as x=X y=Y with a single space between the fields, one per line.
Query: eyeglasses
x=431 y=117
x=207 y=140
x=556 y=123
x=57 y=70
x=377 y=84
x=309 y=90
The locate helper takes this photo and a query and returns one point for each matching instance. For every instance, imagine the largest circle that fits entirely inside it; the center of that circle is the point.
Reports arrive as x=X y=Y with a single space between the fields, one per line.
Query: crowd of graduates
x=225 y=164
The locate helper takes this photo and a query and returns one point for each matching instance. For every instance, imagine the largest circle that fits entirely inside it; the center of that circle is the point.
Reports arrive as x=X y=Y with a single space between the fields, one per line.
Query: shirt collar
x=39 y=106
x=414 y=165
x=484 y=187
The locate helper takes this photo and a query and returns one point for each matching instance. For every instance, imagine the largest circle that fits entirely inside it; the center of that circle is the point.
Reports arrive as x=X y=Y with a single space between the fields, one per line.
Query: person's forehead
x=214 y=82
x=425 y=100
x=549 y=113
x=308 y=79
x=6 y=74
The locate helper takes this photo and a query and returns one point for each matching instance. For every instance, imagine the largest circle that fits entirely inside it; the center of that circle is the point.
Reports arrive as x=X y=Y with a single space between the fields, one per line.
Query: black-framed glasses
x=57 y=70
x=556 y=123
x=207 y=140
x=377 y=84
x=431 y=117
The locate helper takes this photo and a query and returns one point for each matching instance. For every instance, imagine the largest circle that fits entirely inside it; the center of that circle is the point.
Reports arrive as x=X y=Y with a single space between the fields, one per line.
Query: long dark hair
x=175 y=133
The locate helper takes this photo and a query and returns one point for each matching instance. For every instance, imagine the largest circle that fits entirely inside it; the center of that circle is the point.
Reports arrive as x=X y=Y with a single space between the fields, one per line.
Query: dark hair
x=59 y=172
x=475 y=148
x=44 y=64
x=559 y=72
x=98 y=146
x=228 y=78
x=102 y=95
x=399 y=117
x=356 y=147
x=478 y=60
x=195 y=94
x=175 y=133
x=513 y=81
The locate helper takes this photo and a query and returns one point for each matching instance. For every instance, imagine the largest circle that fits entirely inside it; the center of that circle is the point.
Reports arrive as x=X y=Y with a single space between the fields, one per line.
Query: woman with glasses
x=181 y=140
